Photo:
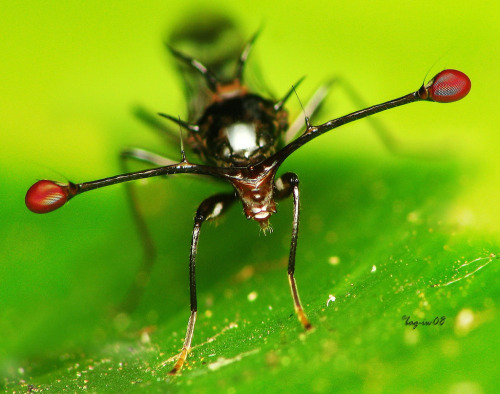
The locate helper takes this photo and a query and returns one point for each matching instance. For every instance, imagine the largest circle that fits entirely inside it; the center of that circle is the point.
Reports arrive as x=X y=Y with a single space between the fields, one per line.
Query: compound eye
x=448 y=86
x=47 y=196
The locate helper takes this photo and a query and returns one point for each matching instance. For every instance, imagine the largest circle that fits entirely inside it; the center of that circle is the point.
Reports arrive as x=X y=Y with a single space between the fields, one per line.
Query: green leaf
x=384 y=240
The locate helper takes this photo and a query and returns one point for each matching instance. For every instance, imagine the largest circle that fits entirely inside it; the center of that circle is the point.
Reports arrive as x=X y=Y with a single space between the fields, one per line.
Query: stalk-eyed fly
x=242 y=138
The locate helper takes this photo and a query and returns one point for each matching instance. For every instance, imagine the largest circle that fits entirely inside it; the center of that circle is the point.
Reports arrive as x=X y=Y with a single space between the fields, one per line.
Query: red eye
x=46 y=196
x=449 y=86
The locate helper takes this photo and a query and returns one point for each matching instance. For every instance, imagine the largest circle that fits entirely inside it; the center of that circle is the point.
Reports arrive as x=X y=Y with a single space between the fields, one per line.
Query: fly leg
x=151 y=119
x=384 y=135
x=286 y=185
x=209 y=209
x=389 y=140
x=312 y=106
x=136 y=290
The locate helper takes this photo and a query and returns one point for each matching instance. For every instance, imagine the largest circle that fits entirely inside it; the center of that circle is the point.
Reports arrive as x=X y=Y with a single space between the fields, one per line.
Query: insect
x=242 y=139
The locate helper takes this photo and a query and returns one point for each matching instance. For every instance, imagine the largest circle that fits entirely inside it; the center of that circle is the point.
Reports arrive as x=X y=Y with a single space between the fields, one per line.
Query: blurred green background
x=70 y=75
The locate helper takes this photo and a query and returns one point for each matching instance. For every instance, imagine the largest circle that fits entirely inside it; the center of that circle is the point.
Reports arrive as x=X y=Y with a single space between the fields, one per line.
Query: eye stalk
x=446 y=87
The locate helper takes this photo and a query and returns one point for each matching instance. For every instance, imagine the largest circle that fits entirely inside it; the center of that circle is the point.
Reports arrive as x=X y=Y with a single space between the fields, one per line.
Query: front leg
x=209 y=209
x=284 y=186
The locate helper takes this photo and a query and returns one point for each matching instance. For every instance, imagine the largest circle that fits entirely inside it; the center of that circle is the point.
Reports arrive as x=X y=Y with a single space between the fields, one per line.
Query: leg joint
x=285 y=184
x=213 y=207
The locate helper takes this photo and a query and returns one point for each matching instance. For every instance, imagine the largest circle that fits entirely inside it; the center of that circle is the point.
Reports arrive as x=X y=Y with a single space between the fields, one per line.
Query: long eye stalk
x=447 y=86
x=47 y=196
